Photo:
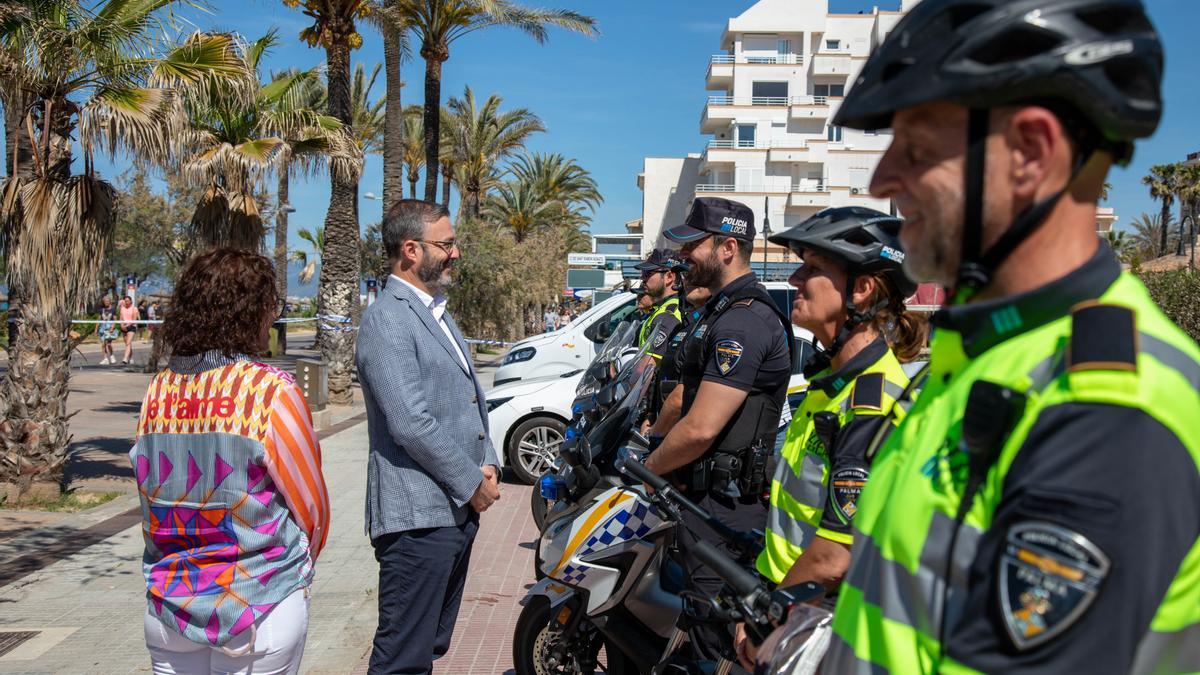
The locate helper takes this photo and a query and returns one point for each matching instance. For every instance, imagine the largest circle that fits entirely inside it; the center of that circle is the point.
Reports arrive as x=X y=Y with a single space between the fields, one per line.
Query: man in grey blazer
x=432 y=467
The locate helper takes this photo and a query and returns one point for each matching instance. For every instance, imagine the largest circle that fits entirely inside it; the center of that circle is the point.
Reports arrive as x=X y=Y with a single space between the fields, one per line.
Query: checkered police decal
x=621 y=526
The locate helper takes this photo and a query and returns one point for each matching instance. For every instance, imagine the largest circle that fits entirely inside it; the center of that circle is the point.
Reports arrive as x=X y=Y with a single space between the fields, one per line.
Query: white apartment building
x=776 y=87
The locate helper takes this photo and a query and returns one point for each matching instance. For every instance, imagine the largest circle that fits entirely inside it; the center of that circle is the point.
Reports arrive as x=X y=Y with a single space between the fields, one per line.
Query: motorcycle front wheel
x=535 y=642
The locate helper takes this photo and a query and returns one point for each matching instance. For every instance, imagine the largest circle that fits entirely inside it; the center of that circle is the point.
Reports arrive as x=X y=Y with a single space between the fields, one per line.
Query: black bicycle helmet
x=867 y=242
x=1102 y=58
x=1096 y=63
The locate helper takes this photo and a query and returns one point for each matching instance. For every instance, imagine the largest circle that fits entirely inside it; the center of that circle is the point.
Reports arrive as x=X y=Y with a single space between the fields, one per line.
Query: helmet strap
x=977 y=267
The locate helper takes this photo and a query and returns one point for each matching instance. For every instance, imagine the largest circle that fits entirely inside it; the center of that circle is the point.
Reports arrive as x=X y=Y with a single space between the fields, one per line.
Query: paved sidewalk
x=87 y=607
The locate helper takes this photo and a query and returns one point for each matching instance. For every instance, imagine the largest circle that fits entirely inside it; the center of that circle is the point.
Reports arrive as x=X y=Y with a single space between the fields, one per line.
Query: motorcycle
x=610 y=584
x=604 y=384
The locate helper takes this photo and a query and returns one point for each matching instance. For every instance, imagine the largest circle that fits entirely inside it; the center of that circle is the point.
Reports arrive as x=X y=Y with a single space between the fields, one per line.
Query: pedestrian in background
x=152 y=314
x=550 y=319
x=128 y=314
x=143 y=312
x=234 y=505
x=432 y=468
x=107 y=331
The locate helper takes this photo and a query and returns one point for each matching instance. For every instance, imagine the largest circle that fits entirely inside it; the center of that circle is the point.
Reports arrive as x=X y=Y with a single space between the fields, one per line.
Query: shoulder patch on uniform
x=846 y=485
x=868 y=392
x=1049 y=576
x=659 y=338
x=1103 y=337
x=728 y=353
x=744 y=303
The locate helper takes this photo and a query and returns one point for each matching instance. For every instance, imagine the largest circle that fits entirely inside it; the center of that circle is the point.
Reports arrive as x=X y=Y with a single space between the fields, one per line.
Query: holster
x=753 y=477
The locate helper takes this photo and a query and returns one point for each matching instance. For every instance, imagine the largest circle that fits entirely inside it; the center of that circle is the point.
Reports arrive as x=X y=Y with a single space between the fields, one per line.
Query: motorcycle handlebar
x=666 y=491
x=742 y=582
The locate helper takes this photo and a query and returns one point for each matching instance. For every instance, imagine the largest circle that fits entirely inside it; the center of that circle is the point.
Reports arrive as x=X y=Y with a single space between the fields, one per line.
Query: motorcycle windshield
x=631 y=386
x=601 y=369
x=796 y=647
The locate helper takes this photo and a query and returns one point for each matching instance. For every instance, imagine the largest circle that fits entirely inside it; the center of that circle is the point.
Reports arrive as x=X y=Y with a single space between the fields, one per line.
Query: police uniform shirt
x=1111 y=474
x=848 y=457
x=745 y=347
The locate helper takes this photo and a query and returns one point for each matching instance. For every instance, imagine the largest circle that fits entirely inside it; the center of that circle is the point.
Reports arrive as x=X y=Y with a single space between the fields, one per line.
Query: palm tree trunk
x=34 y=437
x=433 y=120
x=1166 y=215
x=281 y=256
x=446 y=189
x=340 y=259
x=412 y=186
x=393 y=125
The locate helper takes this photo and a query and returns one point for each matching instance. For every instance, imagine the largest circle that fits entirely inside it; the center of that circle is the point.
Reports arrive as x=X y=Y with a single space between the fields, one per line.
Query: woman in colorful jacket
x=234 y=505
x=850 y=293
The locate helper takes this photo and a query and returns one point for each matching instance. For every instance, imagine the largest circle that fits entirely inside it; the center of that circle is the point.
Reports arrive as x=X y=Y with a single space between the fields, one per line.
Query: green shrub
x=1178 y=294
x=85 y=330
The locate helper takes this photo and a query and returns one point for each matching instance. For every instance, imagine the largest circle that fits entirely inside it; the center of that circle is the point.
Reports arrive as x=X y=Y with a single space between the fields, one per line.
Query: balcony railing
x=738 y=145
x=771 y=59
x=768 y=100
x=802 y=186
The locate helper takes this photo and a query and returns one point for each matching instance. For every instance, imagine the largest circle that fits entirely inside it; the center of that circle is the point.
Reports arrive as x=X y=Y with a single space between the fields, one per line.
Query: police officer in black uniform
x=735 y=365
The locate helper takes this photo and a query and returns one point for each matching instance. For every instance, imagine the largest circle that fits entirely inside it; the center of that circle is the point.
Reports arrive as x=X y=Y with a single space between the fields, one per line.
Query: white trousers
x=278 y=645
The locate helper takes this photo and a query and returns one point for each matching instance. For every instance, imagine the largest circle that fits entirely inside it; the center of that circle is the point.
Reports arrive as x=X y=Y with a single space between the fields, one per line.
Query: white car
x=528 y=419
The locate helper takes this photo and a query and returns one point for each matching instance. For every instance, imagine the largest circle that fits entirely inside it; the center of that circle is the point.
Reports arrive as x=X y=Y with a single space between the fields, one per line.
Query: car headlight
x=519 y=355
x=493 y=403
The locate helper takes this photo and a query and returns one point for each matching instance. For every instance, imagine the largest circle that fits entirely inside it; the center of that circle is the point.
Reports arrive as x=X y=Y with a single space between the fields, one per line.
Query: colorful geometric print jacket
x=234 y=505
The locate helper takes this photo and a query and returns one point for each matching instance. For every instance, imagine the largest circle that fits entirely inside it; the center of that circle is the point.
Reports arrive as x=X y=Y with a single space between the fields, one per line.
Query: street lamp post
x=766 y=232
x=1190 y=219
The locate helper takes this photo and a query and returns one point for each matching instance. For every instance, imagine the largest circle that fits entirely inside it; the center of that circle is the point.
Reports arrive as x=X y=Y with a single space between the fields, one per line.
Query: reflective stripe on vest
x=671 y=305
x=889 y=608
x=801 y=482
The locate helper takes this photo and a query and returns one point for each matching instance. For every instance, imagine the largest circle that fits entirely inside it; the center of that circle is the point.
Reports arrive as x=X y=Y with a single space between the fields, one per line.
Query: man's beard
x=705 y=271
x=435 y=274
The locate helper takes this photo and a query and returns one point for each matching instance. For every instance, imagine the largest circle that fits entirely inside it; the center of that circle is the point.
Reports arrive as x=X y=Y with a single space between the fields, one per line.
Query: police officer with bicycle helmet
x=850 y=293
x=1038 y=509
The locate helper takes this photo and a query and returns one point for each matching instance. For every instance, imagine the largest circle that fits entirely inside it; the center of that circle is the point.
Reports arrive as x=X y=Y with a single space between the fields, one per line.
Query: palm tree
x=517 y=207
x=1161 y=181
x=239 y=131
x=1148 y=234
x=559 y=179
x=481 y=137
x=310 y=264
x=396 y=50
x=96 y=74
x=412 y=151
x=333 y=30
x=1189 y=198
x=1119 y=241
x=446 y=158
x=368 y=117
x=438 y=23
x=309 y=94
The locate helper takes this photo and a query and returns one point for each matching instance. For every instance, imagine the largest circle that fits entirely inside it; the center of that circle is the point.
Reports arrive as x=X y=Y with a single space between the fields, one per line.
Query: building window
x=833 y=45
x=833 y=134
x=829 y=90
x=745 y=135
x=783 y=47
x=770 y=93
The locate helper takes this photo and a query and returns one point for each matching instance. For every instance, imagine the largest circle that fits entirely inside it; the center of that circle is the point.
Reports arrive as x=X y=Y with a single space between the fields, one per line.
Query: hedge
x=1178 y=294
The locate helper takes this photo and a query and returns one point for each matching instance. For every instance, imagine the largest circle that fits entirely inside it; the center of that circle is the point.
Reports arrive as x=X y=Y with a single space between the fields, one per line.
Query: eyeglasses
x=646 y=274
x=447 y=245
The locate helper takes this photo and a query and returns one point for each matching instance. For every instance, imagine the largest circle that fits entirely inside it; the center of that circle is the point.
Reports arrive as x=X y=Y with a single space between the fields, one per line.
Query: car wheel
x=533 y=447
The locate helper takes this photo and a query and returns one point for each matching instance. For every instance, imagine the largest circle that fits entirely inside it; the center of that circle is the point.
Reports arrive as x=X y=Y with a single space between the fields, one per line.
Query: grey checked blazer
x=426 y=417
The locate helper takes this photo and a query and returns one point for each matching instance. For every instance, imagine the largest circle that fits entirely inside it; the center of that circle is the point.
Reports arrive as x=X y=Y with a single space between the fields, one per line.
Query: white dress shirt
x=437 y=307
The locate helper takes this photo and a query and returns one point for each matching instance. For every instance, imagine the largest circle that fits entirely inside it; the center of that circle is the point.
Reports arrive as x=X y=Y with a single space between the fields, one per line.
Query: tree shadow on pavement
x=104 y=457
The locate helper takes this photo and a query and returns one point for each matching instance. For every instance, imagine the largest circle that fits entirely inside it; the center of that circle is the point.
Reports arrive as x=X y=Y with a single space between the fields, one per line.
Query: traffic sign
x=586 y=259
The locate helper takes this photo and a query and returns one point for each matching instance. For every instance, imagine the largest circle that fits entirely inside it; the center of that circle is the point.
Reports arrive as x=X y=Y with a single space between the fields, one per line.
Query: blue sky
x=637 y=89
